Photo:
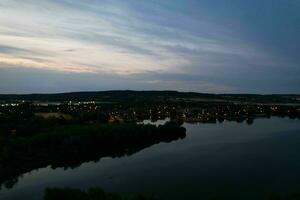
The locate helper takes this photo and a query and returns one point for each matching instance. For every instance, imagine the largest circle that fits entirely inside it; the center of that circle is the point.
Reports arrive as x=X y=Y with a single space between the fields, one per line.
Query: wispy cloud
x=104 y=34
x=124 y=38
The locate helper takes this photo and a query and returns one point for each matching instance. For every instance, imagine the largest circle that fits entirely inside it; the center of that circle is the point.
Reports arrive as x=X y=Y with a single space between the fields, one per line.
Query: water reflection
x=231 y=160
x=155 y=122
x=75 y=151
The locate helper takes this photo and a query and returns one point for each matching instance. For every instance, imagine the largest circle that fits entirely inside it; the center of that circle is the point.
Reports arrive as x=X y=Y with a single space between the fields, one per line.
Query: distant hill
x=140 y=96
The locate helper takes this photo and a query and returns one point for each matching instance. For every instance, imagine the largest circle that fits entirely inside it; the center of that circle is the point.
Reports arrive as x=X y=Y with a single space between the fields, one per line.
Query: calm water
x=231 y=160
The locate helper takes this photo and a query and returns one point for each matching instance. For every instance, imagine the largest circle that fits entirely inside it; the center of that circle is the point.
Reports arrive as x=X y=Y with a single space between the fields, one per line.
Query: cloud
x=178 y=43
x=107 y=35
x=12 y=50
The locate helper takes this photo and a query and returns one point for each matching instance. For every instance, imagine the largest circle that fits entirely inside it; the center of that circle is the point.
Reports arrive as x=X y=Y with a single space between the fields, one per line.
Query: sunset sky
x=218 y=46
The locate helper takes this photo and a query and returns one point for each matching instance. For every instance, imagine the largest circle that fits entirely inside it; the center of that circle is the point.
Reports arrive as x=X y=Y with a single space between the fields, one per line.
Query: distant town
x=132 y=106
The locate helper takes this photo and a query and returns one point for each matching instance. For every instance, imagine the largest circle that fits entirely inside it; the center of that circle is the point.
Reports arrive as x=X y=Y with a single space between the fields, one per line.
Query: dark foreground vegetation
x=29 y=142
x=94 y=193
x=97 y=193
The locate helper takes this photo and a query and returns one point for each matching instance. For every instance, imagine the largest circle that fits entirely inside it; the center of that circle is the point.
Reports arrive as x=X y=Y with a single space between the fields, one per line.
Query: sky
x=215 y=46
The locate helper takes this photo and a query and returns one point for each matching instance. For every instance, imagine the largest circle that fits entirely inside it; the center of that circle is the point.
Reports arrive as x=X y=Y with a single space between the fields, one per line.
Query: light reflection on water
x=233 y=160
x=157 y=122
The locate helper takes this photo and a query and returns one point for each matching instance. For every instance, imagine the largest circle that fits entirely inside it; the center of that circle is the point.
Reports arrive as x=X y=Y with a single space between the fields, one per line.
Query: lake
x=230 y=160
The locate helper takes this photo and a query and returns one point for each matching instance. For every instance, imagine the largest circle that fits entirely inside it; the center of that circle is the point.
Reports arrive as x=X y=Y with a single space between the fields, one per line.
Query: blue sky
x=228 y=46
